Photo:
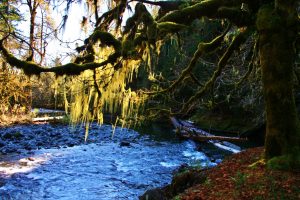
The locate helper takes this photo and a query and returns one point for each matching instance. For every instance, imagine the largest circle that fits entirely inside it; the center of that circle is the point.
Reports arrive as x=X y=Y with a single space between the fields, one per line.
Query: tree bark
x=276 y=25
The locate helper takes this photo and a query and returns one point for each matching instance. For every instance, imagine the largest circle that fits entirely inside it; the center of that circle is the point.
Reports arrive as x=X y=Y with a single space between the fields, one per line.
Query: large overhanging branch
x=235 y=44
x=217 y=9
x=31 y=68
x=167 y=6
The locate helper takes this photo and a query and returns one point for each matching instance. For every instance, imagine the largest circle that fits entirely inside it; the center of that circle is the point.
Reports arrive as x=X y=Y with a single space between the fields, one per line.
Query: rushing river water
x=120 y=167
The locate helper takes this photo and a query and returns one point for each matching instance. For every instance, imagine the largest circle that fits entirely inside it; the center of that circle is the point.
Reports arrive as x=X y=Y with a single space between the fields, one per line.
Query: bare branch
x=250 y=65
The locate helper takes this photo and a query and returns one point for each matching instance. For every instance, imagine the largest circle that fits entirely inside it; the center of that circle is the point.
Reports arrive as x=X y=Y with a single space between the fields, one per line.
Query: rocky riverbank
x=27 y=137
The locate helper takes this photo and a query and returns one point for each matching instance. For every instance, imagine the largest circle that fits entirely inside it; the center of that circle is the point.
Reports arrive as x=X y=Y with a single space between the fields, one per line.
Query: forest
x=147 y=99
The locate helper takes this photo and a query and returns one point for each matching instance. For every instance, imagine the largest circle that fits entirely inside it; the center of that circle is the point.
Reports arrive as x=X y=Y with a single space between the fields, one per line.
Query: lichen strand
x=108 y=17
x=113 y=96
x=277 y=58
x=133 y=22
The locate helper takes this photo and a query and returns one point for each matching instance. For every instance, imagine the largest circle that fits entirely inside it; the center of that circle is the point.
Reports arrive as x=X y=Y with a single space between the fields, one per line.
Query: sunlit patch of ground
x=236 y=178
x=7 y=120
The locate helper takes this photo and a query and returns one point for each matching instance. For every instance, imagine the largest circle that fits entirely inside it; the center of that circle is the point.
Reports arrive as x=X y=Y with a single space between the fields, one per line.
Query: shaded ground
x=238 y=178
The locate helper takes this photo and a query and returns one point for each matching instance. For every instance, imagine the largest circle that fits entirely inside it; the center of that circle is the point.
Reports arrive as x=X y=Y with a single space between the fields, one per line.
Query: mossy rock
x=186 y=179
x=154 y=194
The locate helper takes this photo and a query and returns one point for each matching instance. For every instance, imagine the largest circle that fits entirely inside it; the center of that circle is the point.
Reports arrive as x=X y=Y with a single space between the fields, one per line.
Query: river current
x=108 y=166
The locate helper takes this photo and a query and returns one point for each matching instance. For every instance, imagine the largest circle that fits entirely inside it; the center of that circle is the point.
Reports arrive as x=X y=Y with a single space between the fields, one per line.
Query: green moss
x=285 y=162
x=106 y=39
x=170 y=27
x=189 y=14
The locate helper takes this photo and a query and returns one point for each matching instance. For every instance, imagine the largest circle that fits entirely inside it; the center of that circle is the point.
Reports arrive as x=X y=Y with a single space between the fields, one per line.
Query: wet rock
x=13 y=135
x=182 y=168
x=31 y=159
x=154 y=194
x=124 y=144
x=2 y=144
x=186 y=179
x=2 y=182
x=39 y=143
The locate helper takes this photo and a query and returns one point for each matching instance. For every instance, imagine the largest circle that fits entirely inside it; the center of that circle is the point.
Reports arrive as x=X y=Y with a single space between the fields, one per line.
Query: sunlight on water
x=23 y=165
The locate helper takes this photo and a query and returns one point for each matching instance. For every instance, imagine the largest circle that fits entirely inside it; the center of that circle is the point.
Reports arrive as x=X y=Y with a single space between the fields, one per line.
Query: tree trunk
x=277 y=34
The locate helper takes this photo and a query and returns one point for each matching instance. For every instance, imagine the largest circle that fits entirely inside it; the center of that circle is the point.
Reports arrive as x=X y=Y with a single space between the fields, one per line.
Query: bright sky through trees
x=71 y=36
x=65 y=45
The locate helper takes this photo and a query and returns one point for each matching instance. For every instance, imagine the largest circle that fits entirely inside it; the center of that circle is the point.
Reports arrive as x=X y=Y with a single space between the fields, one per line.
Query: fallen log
x=202 y=138
x=200 y=135
x=187 y=131
x=42 y=119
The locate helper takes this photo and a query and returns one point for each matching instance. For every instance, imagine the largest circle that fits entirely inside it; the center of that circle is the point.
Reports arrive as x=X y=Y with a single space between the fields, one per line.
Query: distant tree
x=272 y=23
x=14 y=86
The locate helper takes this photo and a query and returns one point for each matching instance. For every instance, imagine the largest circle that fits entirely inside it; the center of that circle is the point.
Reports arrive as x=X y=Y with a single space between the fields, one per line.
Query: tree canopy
x=119 y=45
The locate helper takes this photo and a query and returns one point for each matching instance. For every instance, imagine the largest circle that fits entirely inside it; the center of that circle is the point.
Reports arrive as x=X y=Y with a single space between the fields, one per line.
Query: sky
x=72 y=31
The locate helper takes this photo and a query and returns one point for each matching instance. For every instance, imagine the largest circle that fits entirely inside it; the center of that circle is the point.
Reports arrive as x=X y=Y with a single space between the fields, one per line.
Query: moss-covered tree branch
x=235 y=44
x=217 y=9
x=203 y=48
x=31 y=68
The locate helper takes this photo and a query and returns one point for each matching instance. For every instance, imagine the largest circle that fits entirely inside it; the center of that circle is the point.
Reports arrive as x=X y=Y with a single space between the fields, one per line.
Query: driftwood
x=201 y=138
x=187 y=131
x=191 y=132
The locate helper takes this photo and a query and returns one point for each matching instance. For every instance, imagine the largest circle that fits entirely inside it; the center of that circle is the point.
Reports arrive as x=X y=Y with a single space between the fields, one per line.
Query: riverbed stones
x=39 y=136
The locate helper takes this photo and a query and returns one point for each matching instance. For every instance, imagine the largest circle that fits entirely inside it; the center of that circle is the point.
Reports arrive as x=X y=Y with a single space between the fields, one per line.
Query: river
x=53 y=162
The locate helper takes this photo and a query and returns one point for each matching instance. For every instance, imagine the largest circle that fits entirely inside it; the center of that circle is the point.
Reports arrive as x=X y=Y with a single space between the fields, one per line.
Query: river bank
x=240 y=176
